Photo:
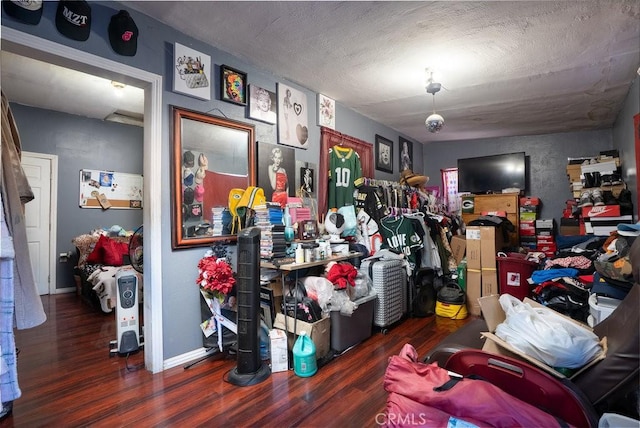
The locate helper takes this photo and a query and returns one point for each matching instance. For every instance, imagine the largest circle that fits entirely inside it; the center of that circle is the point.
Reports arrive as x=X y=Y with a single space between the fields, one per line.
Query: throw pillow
x=114 y=252
x=97 y=255
x=85 y=245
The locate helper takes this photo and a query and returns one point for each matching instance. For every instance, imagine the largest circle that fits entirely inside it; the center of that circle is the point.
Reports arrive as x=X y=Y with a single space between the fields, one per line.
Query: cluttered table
x=288 y=265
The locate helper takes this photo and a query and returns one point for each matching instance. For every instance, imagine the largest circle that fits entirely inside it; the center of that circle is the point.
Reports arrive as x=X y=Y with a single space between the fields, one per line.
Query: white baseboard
x=185 y=358
x=65 y=290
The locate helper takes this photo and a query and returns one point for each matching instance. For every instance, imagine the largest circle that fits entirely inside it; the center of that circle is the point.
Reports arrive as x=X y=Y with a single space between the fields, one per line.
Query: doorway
x=40 y=218
x=44 y=50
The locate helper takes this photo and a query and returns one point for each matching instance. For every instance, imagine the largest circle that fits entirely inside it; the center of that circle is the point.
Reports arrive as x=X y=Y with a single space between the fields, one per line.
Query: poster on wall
x=292 y=117
x=109 y=189
x=276 y=172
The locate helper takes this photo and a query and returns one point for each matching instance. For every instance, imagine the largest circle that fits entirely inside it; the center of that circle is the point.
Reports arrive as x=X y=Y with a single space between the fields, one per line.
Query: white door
x=37 y=218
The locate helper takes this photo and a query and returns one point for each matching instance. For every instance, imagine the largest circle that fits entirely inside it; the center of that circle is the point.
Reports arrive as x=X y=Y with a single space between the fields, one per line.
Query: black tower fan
x=250 y=368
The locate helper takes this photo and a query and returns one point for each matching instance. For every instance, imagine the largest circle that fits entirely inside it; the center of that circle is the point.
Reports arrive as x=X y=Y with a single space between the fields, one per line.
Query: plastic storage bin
x=612 y=420
x=601 y=307
x=347 y=331
x=513 y=272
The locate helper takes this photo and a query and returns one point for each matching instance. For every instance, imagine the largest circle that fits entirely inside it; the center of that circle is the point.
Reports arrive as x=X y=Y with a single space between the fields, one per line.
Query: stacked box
x=545 y=237
x=483 y=243
x=528 y=216
x=602 y=220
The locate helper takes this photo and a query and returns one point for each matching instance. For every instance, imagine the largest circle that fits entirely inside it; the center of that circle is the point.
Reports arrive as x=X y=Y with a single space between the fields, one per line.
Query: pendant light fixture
x=434 y=122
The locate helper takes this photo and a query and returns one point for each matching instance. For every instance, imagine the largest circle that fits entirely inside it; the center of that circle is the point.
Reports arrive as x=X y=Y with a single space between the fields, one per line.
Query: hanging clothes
x=400 y=235
x=16 y=192
x=429 y=255
x=18 y=293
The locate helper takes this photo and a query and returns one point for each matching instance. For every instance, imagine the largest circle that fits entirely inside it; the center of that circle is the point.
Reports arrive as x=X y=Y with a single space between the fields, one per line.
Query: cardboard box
x=497 y=213
x=474 y=290
x=528 y=228
x=569 y=226
x=491 y=241
x=529 y=201
x=548 y=224
x=278 y=351
x=458 y=246
x=319 y=331
x=603 y=211
x=489 y=282
x=494 y=315
x=529 y=209
x=528 y=216
x=603 y=226
x=473 y=247
x=545 y=240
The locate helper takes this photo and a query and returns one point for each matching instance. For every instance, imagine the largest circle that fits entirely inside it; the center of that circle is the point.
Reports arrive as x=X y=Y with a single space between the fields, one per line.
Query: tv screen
x=492 y=173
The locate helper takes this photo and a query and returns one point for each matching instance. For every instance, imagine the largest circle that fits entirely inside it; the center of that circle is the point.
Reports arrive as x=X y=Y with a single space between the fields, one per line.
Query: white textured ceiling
x=507 y=68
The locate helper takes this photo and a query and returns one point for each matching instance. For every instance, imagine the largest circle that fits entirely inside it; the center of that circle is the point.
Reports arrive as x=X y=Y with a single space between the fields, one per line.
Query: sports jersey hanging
x=399 y=234
x=344 y=169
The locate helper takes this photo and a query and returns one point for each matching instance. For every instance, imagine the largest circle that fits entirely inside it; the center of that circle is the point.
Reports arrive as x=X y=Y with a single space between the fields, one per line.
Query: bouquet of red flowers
x=215 y=276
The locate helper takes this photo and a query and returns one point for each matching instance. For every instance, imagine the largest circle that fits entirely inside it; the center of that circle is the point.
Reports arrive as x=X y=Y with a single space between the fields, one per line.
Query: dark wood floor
x=68 y=379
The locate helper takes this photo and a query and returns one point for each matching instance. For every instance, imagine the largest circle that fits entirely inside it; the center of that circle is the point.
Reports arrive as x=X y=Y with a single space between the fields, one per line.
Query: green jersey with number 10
x=344 y=170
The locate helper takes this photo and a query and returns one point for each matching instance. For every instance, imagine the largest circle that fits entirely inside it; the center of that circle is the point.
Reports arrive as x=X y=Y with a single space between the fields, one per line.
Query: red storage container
x=513 y=272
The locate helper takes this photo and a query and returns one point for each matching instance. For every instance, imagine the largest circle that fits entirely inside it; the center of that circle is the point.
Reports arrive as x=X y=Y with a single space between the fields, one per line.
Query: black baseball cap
x=123 y=34
x=27 y=11
x=73 y=19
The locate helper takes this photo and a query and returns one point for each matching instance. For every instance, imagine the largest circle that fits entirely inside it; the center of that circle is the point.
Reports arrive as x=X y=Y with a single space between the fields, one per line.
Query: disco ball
x=434 y=123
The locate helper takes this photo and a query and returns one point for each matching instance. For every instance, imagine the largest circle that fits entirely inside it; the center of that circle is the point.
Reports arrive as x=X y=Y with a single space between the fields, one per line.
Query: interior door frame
x=53 y=219
x=45 y=50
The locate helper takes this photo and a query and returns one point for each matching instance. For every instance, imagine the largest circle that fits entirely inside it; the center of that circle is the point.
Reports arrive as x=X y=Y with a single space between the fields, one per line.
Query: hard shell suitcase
x=389 y=279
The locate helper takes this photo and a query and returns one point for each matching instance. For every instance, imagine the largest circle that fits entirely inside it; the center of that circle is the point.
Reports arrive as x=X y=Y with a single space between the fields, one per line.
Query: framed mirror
x=211 y=156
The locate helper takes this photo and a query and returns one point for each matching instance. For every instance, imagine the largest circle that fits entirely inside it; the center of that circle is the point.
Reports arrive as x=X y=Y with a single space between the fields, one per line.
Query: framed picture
x=262 y=105
x=384 y=154
x=233 y=85
x=326 y=112
x=306 y=179
x=276 y=172
x=192 y=72
x=406 y=154
x=292 y=117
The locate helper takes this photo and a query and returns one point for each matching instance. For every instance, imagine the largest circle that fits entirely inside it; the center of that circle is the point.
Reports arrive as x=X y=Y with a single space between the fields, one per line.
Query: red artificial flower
x=215 y=276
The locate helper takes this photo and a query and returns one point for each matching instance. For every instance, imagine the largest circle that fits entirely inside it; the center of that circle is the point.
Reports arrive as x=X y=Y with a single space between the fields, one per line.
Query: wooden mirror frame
x=222 y=131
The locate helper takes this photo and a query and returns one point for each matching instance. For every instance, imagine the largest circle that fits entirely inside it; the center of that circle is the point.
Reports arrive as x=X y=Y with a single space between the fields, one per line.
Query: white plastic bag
x=545 y=335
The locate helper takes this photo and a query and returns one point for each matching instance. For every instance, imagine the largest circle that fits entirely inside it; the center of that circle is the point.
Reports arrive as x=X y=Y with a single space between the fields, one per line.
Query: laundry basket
x=513 y=272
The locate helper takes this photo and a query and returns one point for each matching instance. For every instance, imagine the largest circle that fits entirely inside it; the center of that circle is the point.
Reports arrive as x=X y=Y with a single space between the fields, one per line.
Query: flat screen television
x=492 y=174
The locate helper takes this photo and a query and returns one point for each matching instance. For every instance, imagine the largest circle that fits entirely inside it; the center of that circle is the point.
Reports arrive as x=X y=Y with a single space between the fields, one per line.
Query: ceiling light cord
x=434 y=122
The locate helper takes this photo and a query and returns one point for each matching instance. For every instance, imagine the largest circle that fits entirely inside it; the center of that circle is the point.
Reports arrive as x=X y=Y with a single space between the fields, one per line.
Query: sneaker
x=597 y=179
x=607 y=180
x=615 y=179
x=585 y=199
x=597 y=198
x=588 y=180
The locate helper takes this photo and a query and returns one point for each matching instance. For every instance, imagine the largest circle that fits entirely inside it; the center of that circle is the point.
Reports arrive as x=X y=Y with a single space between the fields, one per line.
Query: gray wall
x=81 y=143
x=547 y=156
x=624 y=141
